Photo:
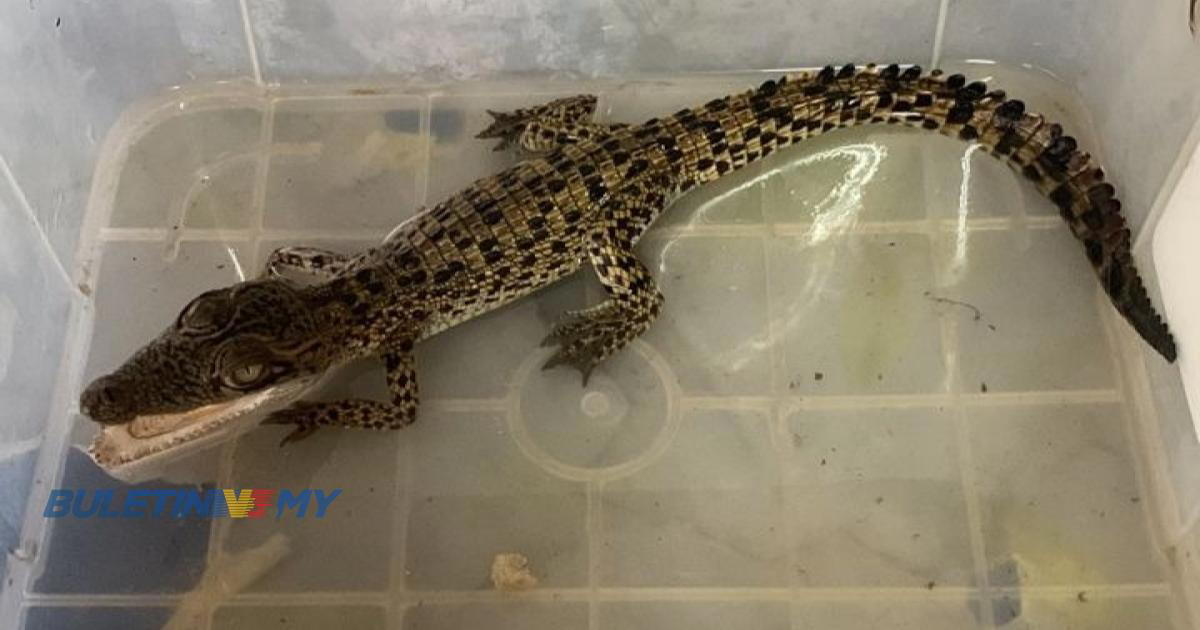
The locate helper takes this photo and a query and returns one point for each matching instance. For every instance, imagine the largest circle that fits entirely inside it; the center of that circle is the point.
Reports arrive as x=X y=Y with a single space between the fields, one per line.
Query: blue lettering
x=58 y=503
x=106 y=509
x=77 y=506
x=285 y=500
x=160 y=496
x=323 y=501
x=203 y=505
x=135 y=503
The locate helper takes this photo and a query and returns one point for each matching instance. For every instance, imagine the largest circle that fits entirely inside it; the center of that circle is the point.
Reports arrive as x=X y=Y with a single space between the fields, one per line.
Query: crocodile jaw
x=137 y=450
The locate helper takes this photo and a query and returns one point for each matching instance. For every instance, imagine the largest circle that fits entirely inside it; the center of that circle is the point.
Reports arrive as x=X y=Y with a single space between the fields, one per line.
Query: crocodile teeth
x=149 y=426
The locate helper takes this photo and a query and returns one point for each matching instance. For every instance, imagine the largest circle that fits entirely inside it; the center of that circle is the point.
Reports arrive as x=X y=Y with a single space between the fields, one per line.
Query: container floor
x=884 y=392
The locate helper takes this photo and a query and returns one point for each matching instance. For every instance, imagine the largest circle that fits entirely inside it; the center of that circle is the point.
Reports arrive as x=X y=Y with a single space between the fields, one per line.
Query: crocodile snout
x=106 y=401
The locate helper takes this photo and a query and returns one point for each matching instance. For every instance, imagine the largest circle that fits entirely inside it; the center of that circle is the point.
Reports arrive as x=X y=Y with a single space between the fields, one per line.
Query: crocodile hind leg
x=545 y=126
x=587 y=337
x=321 y=263
x=306 y=417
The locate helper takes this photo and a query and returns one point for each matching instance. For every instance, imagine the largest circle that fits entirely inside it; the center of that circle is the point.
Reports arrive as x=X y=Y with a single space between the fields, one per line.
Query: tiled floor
x=880 y=395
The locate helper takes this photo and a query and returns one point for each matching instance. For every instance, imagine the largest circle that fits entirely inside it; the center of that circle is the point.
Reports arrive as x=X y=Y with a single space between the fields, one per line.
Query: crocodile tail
x=806 y=104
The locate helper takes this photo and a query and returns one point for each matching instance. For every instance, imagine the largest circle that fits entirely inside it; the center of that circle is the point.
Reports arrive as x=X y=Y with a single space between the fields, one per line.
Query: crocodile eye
x=205 y=315
x=246 y=375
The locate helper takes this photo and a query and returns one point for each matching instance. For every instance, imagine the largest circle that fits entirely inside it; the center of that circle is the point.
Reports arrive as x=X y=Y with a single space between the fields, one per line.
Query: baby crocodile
x=587 y=193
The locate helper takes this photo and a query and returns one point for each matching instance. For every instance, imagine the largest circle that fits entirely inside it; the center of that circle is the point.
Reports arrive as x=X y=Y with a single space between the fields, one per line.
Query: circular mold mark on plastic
x=622 y=421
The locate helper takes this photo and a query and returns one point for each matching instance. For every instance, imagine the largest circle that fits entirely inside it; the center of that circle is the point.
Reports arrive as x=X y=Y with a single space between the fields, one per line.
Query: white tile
x=877 y=499
x=473 y=495
x=164 y=183
x=713 y=327
x=693 y=615
x=1060 y=502
x=345 y=163
x=707 y=513
x=355 y=534
x=851 y=317
x=1038 y=327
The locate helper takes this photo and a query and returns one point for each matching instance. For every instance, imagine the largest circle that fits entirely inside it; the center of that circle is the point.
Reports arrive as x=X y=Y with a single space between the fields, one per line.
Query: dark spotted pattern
x=589 y=191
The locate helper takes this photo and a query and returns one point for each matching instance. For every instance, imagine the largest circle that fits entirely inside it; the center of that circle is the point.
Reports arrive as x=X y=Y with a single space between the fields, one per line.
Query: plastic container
x=885 y=391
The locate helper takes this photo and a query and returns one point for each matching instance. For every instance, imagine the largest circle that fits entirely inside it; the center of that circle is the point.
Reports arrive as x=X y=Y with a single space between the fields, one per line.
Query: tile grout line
x=251 y=44
x=1032 y=222
x=939 y=34
x=776 y=414
x=617 y=594
x=262 y=169
x=219 y=534
x=397 y=606
x=398 y=572
x=593 y=526
x=964 y=456
x=27 y=209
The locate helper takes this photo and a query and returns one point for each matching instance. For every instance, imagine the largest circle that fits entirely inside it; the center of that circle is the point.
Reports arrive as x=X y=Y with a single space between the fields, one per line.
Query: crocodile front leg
x=589 y=336
x=398 y=413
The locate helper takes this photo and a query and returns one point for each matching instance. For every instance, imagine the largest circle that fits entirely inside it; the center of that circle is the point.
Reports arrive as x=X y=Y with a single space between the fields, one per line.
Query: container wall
x=71 y=67
x=35 y=301
x=340 y=38
x=1136 y=65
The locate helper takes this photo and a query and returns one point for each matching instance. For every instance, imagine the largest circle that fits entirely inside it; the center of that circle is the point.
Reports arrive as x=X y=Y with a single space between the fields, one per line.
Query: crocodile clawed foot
x=505 y=126
x=297 y=415
x=583 y=344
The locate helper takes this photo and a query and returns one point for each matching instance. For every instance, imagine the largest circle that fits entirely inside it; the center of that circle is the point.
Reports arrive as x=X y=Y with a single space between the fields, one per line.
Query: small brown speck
x=929 y=585
x=878 y=500
x=983 y=388
x=822 y=461
x=819 y=376
x=220 y=266
x=1082 y=596
x=1135 y=499
x=891 y=243
x=85 y=289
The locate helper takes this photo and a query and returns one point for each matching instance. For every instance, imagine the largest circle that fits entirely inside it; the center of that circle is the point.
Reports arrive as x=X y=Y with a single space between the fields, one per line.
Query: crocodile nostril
x=102 y=400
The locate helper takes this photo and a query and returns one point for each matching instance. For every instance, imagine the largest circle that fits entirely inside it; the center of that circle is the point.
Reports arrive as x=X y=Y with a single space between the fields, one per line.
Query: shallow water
x=883 y=387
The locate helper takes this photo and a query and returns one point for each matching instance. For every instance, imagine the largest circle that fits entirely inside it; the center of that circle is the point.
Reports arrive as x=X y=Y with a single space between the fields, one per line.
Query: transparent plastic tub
x=886 y=390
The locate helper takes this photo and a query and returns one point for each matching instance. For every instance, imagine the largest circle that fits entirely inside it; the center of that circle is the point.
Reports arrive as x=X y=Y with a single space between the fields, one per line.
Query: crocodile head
x=229 y=351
